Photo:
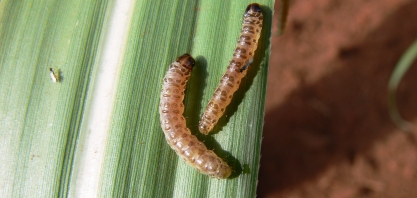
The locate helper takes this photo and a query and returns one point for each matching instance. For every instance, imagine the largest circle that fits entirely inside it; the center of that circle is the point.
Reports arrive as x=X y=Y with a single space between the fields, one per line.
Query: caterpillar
x=242 y=58
x=54 y=76
x=178 y=136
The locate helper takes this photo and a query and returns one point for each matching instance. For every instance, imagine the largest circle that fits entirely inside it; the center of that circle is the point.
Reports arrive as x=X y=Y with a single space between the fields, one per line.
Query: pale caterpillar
x=178 y=136
x=242 y=58
x=54 y=76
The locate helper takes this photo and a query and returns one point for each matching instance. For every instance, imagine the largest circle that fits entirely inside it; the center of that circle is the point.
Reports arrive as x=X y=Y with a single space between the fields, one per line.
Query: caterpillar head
x=253 y=8
x=187 y=61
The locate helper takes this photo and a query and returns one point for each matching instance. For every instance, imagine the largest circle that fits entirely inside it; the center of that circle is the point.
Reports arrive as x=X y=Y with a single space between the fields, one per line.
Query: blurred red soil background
x=327 y=130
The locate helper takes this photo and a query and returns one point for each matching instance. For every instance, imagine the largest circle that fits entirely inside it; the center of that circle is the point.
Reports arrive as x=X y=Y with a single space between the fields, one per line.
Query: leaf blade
x=146 y=162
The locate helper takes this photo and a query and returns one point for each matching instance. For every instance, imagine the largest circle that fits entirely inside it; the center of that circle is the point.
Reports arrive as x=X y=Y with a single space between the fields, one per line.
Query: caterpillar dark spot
x=242 y=58
x=178 y=136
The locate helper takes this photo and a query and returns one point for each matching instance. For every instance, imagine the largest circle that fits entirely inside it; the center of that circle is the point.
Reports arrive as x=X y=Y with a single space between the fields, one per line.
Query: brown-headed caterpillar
x=178 y=136
x=242 y=58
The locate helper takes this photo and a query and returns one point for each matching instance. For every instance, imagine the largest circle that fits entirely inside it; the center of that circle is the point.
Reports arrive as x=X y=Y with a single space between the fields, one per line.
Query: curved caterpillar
x=242 y=58
x=178 y=136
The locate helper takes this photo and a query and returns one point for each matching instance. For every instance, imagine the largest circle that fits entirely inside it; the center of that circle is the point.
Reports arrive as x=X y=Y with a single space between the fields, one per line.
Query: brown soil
x=327 y=129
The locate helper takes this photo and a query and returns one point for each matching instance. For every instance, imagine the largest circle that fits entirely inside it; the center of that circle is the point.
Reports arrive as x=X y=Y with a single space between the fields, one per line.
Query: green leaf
x=40 y=120
x=97 y=132
x=400 y=70
x=138 y=160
